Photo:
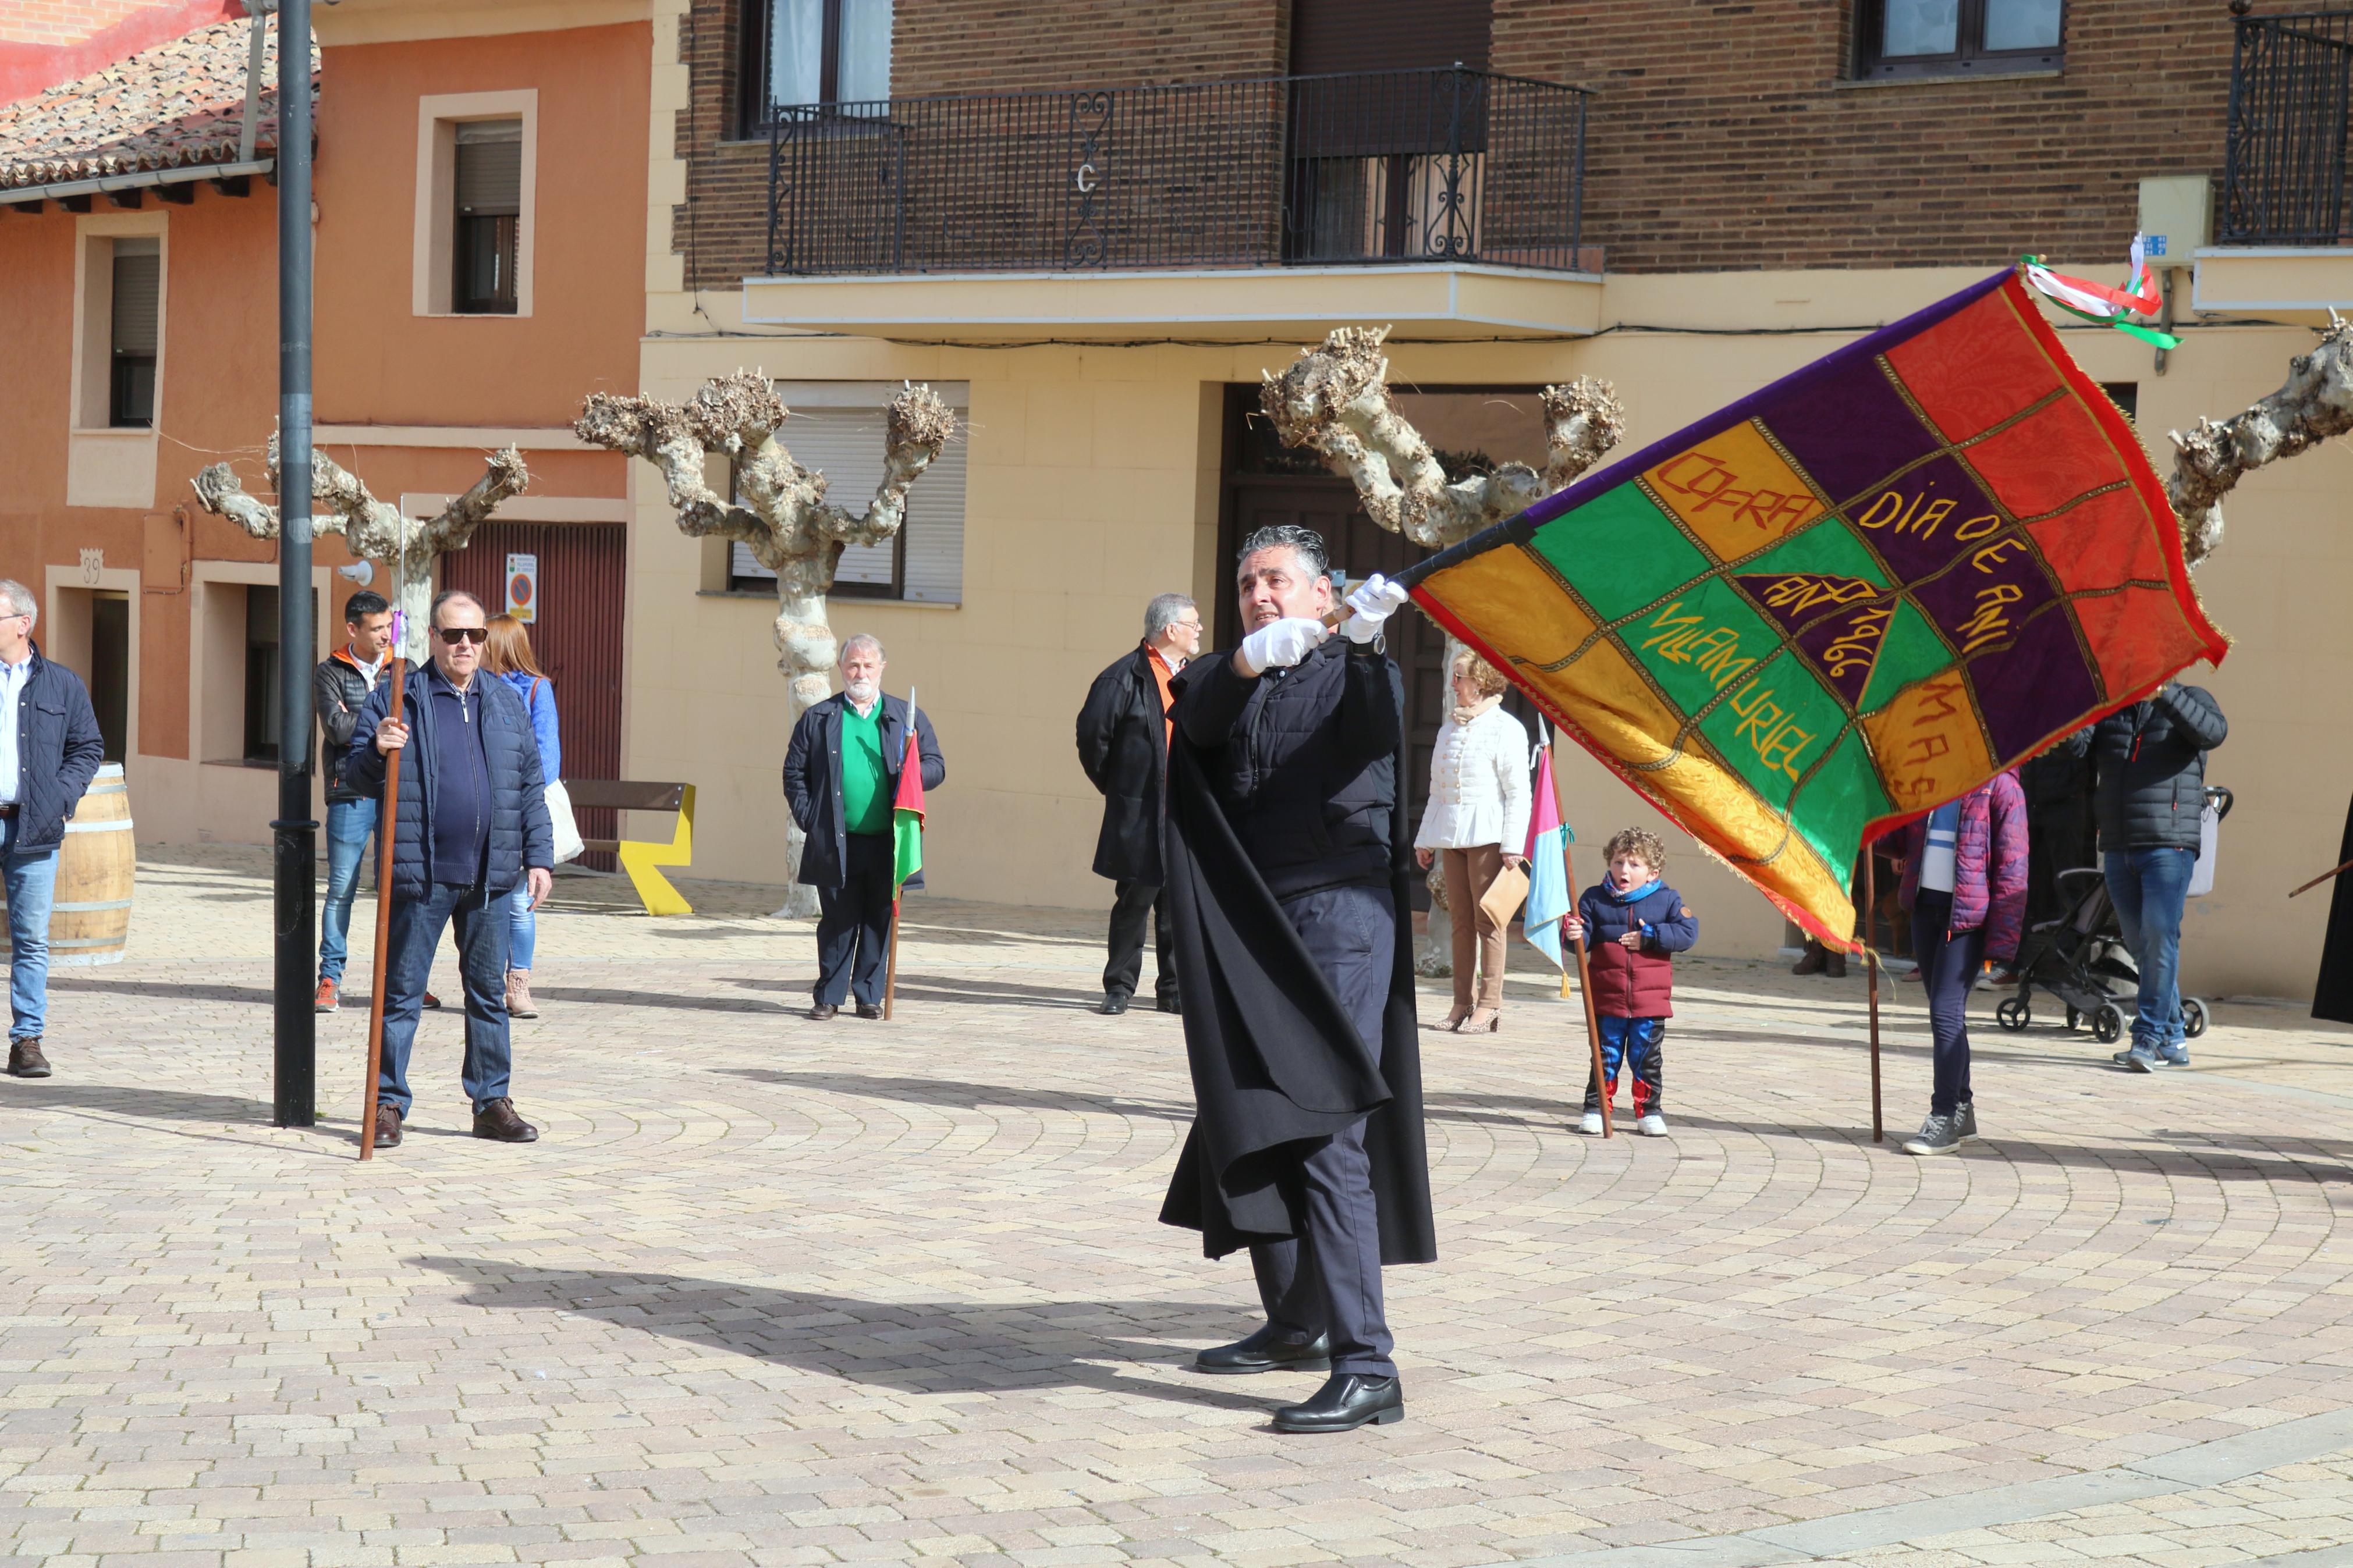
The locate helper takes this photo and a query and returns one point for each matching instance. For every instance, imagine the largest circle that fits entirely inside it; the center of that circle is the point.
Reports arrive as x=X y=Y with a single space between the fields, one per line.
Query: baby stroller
x=2081 y=958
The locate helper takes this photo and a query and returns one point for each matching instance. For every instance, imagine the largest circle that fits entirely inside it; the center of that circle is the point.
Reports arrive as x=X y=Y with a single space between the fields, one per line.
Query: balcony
x=1449 y=166
x=2291 y=103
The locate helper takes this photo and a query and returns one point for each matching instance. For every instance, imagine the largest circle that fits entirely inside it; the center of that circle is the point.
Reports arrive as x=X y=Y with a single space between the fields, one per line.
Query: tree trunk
x=805 y=639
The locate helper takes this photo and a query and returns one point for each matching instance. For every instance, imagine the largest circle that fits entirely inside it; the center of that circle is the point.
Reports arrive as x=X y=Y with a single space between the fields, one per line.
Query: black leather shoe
x=1171 y=1004
x=1348 y=1400
x=1114 y=1003
x=387 y=1126
x=823 y=1011
x=1266 y=1350
x=499 y=1120
x=26 y=1060
x=868 y=1010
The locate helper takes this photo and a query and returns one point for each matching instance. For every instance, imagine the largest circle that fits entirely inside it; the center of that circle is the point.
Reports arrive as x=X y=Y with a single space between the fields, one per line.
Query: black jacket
x=813 y=780
x=1275 y=1060
x=1303 y=760
x=339 y=691
x=1123 y=747
x=522 y=835
x=2149 y=762
x=58 y=750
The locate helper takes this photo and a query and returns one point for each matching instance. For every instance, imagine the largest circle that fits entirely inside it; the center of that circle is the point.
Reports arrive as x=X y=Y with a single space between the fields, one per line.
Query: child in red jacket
x=1632 y=924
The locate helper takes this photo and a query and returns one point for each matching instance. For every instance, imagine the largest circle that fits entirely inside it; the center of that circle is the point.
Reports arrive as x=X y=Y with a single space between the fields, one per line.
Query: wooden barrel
x=91 y=919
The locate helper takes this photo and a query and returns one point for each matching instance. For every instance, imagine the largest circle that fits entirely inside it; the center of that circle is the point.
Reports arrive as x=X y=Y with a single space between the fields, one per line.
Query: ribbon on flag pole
x=2097 y=302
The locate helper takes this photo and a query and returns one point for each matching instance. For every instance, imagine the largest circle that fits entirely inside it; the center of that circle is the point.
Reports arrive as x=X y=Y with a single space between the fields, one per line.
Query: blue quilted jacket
x=520 y=834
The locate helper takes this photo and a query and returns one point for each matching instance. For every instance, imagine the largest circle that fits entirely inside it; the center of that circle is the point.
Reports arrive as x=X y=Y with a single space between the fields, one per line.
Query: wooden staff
x=387 y=821
x=1584 y=972
x=2324 y=877
x=891 y=964
x=891 y=968
x=1871 y=967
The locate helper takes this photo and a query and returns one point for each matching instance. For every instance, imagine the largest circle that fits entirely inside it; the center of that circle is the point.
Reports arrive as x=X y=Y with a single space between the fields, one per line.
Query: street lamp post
x=294 y=1097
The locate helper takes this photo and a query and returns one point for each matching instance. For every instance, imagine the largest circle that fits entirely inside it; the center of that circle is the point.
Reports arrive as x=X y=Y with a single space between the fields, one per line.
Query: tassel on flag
x=1550 y=898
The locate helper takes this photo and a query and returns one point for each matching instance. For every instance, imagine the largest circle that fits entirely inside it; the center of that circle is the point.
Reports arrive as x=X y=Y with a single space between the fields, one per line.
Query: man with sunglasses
x=470 y=824
x=49 y=751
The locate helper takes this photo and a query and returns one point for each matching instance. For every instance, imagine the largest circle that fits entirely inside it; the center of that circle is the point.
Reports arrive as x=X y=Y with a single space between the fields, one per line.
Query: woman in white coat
x=1478 y=819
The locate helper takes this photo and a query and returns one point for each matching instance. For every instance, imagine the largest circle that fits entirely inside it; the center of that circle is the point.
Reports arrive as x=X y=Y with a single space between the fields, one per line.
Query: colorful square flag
x=1847 y=598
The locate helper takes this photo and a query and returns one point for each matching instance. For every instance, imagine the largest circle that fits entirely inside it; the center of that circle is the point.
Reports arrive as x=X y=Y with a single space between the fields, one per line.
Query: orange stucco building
x=139 y=239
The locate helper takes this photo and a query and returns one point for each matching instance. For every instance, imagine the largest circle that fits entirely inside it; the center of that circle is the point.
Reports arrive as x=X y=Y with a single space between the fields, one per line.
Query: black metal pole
x=294 y=1097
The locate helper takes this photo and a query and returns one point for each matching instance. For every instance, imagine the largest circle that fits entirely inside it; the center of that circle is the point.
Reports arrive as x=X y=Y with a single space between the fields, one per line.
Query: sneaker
x=1940 y=1134
x=431 y=1000
x=1590 y=1124
x=2173 y=1057
x=330 y=997
x=2139 y=1059
x=1968 y=1116
x=1651 y=1126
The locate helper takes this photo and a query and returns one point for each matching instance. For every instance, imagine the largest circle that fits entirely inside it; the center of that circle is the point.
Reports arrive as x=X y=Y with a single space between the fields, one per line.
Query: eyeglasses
x=453 y=635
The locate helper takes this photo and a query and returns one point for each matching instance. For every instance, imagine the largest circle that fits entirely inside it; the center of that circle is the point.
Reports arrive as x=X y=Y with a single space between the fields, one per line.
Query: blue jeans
x=2147 y=886
x=481 y=923
x=32 y=884
x=1950 y=961
x=523 y=926
x=350 y=825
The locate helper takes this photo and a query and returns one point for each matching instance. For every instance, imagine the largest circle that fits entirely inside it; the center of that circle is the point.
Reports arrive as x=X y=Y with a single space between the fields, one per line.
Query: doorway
x=92 y=636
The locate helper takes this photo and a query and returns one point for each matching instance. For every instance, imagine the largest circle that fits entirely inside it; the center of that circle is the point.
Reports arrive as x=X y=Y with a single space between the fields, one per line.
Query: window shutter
x=846 y=444
x=138 y=288
x=490 y=168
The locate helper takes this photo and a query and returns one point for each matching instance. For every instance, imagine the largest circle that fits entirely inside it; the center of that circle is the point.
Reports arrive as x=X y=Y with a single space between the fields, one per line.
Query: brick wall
x=950 y=47
x=1718 y=139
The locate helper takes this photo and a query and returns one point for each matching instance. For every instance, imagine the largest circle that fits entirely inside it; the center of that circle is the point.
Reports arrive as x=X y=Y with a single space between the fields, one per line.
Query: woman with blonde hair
x=1477 y=819
x=508 y=655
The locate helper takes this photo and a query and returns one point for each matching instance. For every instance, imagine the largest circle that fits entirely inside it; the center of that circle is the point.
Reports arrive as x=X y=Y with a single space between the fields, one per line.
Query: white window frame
x=107 y=466
x=439 y=116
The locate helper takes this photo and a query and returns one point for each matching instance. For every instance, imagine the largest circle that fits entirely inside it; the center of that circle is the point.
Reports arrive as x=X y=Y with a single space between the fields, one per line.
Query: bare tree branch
x=1335 y=400
x=2315 y=404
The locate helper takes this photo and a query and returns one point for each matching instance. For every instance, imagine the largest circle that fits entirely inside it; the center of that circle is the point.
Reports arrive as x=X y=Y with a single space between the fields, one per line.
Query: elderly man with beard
x=842 y=776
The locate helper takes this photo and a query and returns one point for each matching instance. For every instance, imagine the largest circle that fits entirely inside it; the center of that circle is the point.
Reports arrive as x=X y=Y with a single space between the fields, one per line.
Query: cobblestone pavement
x=775 y=1291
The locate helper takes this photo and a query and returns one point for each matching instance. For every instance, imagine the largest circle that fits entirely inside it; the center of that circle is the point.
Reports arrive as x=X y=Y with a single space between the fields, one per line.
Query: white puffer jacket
x=1478 y=785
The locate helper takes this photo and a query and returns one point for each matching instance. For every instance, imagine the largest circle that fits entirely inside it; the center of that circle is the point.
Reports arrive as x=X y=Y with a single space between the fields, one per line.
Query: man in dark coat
x=2332 y=995
x=1123 y=747
x=51 y=748
x=470 y=824
x=841 y=779
x=2148 y=797
x=1287 y=855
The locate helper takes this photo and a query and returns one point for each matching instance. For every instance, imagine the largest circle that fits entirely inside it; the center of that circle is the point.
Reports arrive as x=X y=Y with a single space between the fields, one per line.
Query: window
x=1957 y=37
x=487 y=222
x=261 y=688
x=923 y=561
x=803 y=52
x=134 y=315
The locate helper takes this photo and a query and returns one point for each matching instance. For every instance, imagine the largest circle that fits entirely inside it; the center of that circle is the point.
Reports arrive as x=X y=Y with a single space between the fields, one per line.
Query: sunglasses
x=453 y=635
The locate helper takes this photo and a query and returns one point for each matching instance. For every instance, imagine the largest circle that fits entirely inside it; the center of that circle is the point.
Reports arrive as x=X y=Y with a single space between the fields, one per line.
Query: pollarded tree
x=781 y=514
x=2314 y=402
x=401 y=549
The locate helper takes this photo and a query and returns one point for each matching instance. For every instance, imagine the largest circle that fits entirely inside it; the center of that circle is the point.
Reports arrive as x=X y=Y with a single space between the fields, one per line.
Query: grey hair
x=1306 y=540
x=449 y=596
x=19 y=599
x=1162 y=613
x=858 y=640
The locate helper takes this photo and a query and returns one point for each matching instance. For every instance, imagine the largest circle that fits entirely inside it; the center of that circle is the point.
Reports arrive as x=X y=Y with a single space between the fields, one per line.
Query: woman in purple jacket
x=1965 y=883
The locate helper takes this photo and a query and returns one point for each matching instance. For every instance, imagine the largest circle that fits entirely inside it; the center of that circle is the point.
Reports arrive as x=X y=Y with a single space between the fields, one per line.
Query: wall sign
x=523 y=588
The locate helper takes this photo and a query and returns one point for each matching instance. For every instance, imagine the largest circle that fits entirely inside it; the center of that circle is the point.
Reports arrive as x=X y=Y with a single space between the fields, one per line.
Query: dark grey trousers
x=1328 y=1280
x=1133 y=904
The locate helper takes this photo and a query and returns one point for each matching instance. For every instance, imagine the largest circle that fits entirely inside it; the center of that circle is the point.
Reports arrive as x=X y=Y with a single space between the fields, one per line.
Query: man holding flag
x=849 y=780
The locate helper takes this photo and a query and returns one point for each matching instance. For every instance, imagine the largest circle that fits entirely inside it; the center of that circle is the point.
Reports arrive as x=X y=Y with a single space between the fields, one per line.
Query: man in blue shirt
x=472 y=824
x=49 y=751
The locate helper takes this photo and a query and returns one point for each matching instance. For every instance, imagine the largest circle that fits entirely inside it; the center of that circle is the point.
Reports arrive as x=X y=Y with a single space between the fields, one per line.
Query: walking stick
x=2323 y=878
x=891 y=968
x=1871 y=967
x=1584 y=973
x=386 y=826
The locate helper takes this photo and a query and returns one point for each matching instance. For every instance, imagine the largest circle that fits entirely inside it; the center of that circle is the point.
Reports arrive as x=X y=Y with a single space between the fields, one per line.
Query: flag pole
x=1871 y=967
x=1584 y=973
x=386 y=827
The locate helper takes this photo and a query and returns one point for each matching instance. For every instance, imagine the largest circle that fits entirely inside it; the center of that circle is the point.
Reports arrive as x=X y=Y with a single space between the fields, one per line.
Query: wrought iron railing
x=2291 y=104
x=1398 y=166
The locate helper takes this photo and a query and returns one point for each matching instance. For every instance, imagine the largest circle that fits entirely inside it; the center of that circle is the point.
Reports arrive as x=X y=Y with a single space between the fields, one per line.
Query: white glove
x=1279 y=645
x=1373 y=603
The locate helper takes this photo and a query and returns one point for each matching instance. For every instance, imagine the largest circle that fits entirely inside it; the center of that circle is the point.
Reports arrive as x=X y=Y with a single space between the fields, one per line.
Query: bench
x=642 y=858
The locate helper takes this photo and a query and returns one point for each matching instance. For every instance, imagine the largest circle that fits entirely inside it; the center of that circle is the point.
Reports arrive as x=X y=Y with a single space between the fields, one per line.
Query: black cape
x=1275 y=1060
x=2332 y=995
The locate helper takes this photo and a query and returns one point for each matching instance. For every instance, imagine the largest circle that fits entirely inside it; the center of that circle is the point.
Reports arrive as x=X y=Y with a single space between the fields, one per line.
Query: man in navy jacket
x=49 y=751
x=471 y=823
x=842 y=776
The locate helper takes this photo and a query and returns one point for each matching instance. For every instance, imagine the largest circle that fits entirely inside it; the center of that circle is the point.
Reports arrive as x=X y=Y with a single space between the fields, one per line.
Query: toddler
x=1632 y=924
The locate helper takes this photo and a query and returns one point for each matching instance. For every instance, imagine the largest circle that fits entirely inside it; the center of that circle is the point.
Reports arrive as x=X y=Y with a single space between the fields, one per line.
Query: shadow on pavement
x=147 y=1104
x=175 y=990
x=962 y=1095
x=957 y=988
x=922 y=1347
x=611 y=997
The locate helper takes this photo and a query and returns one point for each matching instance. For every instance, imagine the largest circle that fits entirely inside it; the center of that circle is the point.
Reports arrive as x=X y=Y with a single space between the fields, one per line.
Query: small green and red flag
x=907 y=811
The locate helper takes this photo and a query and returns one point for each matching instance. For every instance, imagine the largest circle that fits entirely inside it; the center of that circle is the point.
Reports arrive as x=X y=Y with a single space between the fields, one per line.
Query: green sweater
x=865 y=788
